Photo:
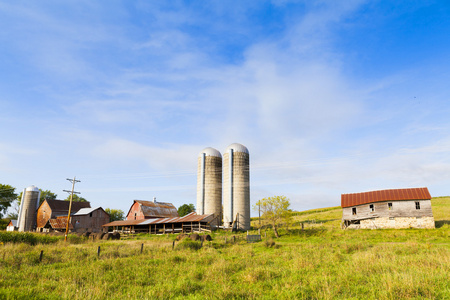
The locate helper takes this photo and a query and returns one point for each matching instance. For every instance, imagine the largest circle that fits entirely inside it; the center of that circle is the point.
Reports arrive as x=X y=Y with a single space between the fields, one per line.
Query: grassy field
x=320 y=262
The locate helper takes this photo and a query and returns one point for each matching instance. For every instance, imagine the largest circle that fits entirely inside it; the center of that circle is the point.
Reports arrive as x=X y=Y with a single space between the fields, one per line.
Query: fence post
x=40 y=256
x=303 y=226
x=173 y=245
x=142 y=247
x=98 y=251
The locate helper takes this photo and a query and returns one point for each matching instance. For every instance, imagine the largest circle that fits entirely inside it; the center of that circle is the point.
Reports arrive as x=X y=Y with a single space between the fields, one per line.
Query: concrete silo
x=28 y=207
x=236 y=186
x=209 y=182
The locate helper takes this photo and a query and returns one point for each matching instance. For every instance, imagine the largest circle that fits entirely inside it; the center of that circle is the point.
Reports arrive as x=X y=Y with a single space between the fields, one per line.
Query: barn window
x=135 y=214
x=417 y=205
x=371 y=208
x=353 y=210
x=90 y=215
x=390 y=206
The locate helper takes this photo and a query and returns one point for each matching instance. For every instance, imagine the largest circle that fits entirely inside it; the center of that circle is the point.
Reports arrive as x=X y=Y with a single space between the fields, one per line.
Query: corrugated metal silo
x=28 y=206
x=209 y=182
x=236 y=186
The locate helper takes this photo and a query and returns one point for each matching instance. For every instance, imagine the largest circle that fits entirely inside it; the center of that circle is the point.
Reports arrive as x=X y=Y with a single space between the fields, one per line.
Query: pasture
x=320 y=262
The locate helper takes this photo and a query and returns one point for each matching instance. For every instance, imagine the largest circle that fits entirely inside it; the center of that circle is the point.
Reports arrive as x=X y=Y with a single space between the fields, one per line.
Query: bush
x=189 y=244
x=269 y=243
x=26 y=237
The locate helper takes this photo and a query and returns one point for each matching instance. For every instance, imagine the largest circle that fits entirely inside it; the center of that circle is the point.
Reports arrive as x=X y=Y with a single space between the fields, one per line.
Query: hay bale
x=108 y=236
x=206 y=238
x=194 y=237
x=86 y=234
x=181 y=236
x=116 y=236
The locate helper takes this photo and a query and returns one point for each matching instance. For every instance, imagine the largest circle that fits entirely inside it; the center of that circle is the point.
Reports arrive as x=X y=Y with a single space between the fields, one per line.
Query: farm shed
x=90 y=219
x=397 y=208
x=50 y=209
x=12 y=225
x=189 y=223
x=141 y=210
x=59 y=224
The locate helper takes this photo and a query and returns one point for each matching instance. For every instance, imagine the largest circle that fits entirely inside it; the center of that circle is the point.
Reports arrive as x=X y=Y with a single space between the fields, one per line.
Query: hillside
x=320 y=262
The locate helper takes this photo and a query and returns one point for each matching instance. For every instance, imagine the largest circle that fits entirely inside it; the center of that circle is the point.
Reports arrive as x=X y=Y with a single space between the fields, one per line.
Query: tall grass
x=320 y=262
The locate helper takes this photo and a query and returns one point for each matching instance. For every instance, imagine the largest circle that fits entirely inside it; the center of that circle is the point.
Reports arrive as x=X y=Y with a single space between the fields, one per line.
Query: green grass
x=320 y=262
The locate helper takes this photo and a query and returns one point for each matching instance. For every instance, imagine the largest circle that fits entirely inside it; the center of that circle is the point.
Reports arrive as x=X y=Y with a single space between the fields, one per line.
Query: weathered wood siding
x=404 y=208
x=92 y=222
x=135 y=212
x=44 y=213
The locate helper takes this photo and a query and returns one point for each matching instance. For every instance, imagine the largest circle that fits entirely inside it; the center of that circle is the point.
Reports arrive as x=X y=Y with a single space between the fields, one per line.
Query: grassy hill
x=320 y=262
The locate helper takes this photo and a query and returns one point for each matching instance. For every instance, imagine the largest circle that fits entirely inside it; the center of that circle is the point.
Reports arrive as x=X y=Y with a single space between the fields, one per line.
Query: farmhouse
x=141 y=210
x=51 y=209
x=397 y=208
x=12 y=225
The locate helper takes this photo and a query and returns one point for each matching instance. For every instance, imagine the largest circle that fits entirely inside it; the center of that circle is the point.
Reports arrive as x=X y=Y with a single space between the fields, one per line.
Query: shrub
x=189 y=244
x=269 y=243
x=26 y=237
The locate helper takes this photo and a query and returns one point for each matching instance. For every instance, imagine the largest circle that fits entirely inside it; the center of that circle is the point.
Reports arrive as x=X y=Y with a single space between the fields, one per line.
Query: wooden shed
x=141 y=210
x=50 y=209
x=90 y=219
x=396 y=208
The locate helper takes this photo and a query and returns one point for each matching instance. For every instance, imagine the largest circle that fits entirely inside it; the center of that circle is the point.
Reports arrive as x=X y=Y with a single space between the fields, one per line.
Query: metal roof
x=157 y=209
x=210 y=152
x=192 y=217
x=86 y=211
x=32 y=188
x=348 y=200
x=59 y=223
x=237 y=148
x=63 y=205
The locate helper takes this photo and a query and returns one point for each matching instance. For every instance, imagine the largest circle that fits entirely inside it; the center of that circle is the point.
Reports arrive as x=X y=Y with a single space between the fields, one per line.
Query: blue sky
x=328 y=97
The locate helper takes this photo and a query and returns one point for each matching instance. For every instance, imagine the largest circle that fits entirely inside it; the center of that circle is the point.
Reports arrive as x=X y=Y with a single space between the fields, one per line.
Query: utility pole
x=73 y=181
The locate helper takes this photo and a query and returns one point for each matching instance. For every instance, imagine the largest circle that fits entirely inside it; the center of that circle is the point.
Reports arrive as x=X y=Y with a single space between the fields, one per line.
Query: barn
x=90 y=219
x=188 y=223
x=141 y=210
x=51 y=209
x=395 y=208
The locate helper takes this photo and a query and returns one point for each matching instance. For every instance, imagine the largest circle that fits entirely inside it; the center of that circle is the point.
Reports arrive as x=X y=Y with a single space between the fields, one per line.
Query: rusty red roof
x=385 y=195
x=59 y=223
x=153 y=209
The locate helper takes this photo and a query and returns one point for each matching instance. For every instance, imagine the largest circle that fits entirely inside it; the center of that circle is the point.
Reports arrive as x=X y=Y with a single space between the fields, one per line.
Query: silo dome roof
x=237 y=148
x=210 y=152
x=32 y=188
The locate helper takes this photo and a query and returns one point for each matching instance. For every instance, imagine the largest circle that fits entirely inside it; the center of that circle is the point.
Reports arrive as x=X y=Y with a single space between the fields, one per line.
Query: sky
x=330 y=97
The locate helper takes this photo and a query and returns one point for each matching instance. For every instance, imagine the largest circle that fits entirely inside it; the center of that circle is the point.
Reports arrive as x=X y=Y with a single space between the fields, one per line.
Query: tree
x=115 y=214
x=185 y=209
x=76 y=198
x=7 y=196
x=274 y=210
